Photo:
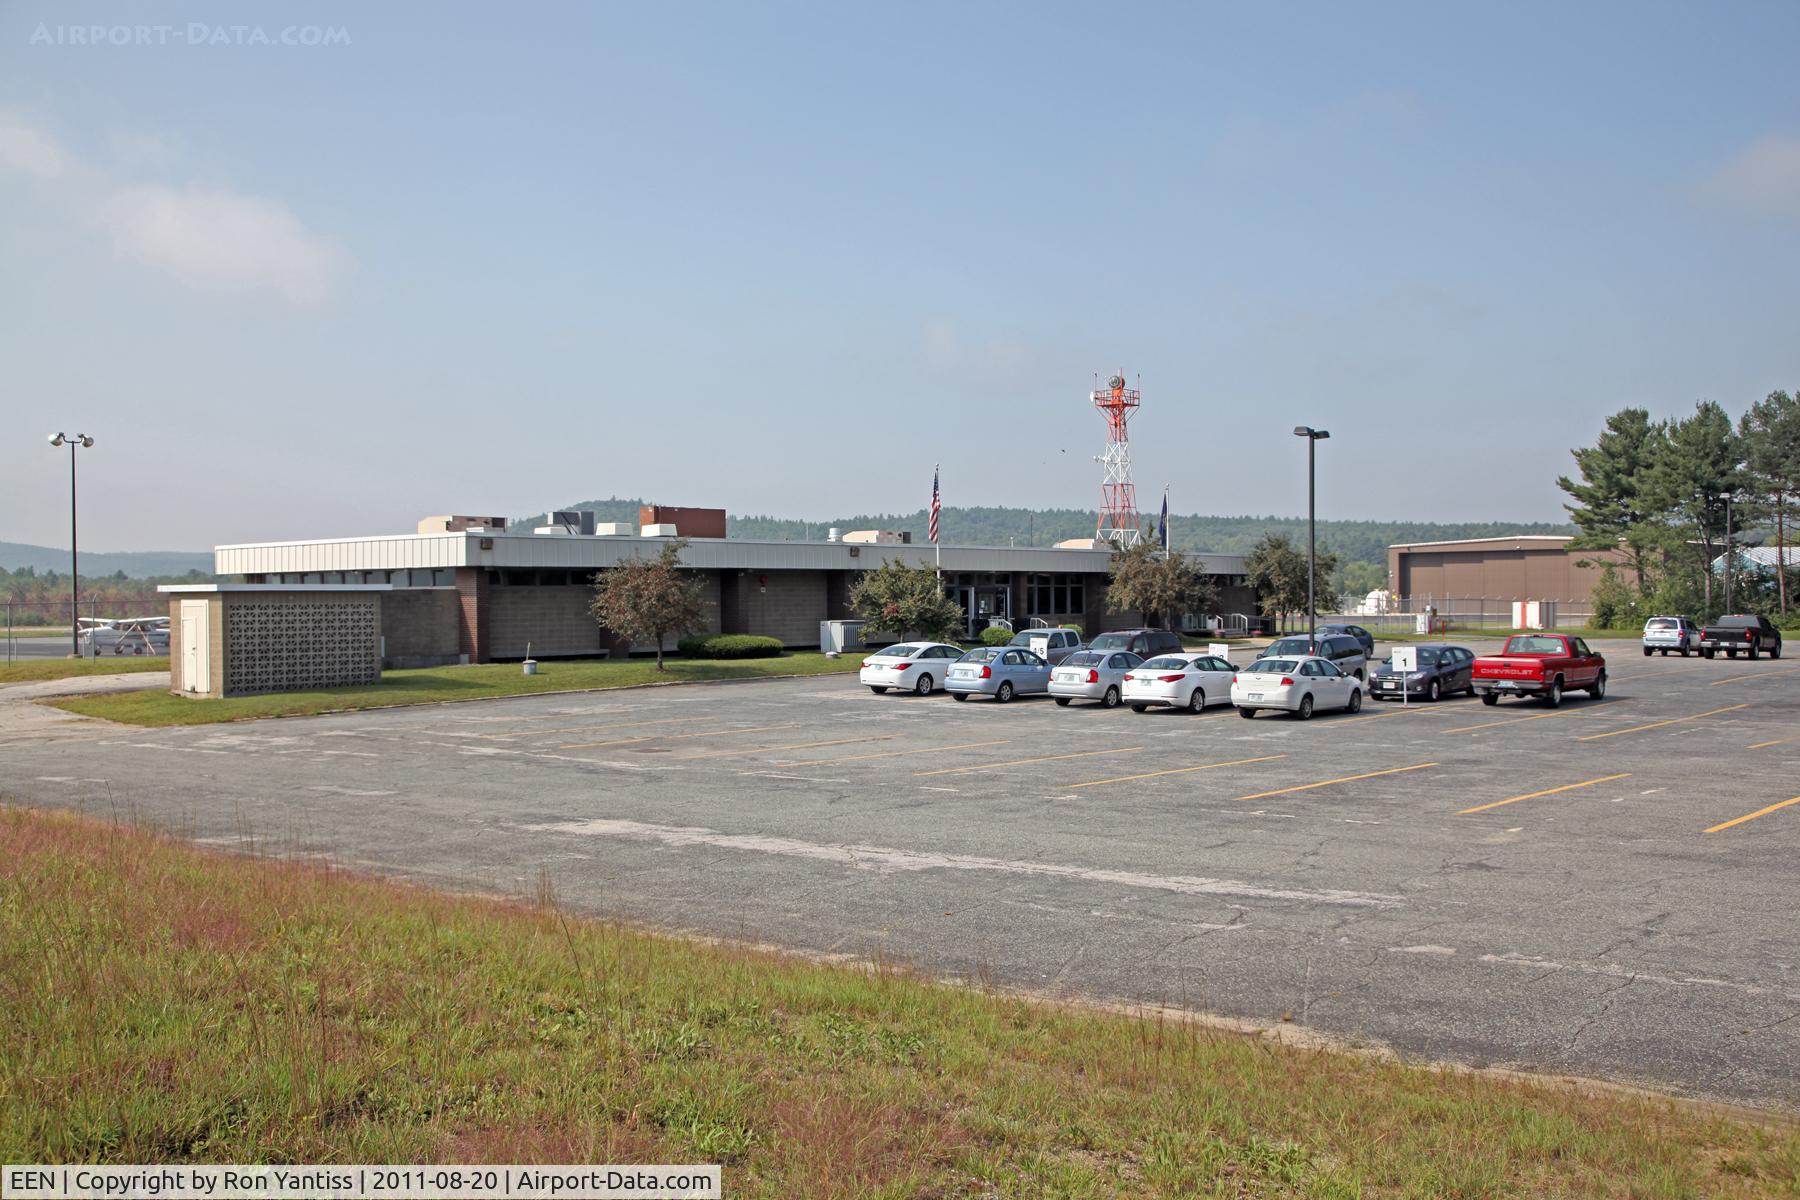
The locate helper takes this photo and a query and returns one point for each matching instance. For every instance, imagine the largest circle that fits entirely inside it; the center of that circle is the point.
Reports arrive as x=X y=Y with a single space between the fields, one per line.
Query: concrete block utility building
x=467 y=591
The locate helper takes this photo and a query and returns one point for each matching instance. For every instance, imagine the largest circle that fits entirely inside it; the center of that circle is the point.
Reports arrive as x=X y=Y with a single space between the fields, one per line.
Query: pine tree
x=1771 y=436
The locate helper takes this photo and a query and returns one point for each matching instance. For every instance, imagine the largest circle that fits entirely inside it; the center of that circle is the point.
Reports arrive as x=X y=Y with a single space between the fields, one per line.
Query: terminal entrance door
x=981 y=603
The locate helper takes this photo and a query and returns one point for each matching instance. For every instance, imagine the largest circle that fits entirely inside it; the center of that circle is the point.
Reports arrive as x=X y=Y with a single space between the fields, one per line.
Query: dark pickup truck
x=1751 y=635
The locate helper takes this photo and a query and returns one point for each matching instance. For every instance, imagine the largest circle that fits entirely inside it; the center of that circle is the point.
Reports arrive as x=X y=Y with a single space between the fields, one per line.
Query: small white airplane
x=122 y=635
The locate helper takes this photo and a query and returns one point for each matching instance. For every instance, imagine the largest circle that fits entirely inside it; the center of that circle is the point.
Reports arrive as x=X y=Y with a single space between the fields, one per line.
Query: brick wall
x=781 y=604
x=472 y=592
x=421 y=627
x=555 y=621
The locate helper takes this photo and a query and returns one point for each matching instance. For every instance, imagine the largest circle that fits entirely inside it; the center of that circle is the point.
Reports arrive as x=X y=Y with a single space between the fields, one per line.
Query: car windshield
x=1110 y=641
x=1167 y=664
x=1271 y=666
x=1660 y=623
x=1085 y=658
x=1534 y=645
x=899 y=651
x=1293 y=645
x=982 y=654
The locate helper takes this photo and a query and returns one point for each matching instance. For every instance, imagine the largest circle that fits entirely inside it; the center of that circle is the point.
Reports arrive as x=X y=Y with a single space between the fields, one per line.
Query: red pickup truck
x=1540 y=664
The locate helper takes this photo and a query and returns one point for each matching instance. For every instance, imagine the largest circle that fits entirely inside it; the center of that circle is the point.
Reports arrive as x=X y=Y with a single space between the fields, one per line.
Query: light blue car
x=998 y=671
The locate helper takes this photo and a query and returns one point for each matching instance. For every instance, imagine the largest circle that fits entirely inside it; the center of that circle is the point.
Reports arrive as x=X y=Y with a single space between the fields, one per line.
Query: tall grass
x=160 y=1003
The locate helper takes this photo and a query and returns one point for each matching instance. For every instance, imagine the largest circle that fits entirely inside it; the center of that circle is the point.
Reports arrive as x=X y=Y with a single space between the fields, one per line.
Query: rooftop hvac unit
x=576 y=521
x=666 y=529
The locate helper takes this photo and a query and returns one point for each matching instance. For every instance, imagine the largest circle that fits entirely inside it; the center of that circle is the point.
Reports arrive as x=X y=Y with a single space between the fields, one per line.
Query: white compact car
x=1092 y=675
x=915 y=666
x=1298 y=684
x=1188 y=680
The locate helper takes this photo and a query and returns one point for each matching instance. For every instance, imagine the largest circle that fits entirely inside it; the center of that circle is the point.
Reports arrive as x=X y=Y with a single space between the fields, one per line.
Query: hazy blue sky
x=781 y=258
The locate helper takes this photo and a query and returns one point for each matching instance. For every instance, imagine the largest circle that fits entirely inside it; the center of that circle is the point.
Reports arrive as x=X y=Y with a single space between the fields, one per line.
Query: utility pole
x=1313 y=438
x=84 y=441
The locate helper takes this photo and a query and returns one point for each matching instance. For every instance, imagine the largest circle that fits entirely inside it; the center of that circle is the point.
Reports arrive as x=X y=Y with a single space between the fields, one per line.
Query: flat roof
x=1517 y=537
x=185 y=588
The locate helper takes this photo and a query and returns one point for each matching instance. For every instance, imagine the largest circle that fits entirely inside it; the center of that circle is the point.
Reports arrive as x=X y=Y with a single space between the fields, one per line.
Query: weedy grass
x=38 y=670
x=160 y=1003
x=433 y=685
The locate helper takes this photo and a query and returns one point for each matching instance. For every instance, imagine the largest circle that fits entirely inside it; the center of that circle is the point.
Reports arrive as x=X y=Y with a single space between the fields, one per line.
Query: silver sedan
x=998 y=671
x=1091 y=675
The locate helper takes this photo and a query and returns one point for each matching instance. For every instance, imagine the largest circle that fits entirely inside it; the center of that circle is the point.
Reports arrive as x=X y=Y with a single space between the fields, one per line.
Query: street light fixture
x=85 y=442
x=1313 y=438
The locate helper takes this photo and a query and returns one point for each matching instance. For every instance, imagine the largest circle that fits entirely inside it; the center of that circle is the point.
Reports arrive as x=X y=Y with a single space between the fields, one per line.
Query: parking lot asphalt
x=1604 y=889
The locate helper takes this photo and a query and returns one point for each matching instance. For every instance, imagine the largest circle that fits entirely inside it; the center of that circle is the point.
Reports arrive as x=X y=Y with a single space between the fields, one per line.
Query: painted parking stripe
x=1711 y=712
x=519 y=733
x=814 y=762
x=1517 y=720
x=679 y=737
x=1567 y=787
x=1307 y=787
x=748 y=750
x=1744 y=678
x=1236 y=762
x=1761 y=812
x=1020 y=762
x=1765 y=745
x=1411 y=710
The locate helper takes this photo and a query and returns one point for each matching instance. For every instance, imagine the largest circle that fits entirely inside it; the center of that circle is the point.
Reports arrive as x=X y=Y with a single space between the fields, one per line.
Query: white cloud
x=1764 y=178
x=24 y=147
x=212 y=238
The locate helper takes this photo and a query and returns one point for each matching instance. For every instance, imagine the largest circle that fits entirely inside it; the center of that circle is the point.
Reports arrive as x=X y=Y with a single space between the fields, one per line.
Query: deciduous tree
x=1160 y=586
x=900 y=600
x=1277 y=570
x=650 y=599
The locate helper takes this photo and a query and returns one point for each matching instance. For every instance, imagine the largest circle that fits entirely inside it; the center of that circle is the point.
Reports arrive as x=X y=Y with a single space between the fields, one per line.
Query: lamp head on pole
x=87 y=441
x=1307 y=431
x=57 y=439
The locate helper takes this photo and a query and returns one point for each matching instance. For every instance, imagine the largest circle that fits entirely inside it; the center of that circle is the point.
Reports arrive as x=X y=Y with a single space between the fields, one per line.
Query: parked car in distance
x=1058 y=643
x=1442 y=671
x=1300 y=684
x=1740 y=632
x=914 y=666
x=1186 y=680
x=1145 y=643
x=998 y=671
x=1671 y=633
x=1540 y=664
x=1092 y=675
x=1340 y=648
x=1331 y=628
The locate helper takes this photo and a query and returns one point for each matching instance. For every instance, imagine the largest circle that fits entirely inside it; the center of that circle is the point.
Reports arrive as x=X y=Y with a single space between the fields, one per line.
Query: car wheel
x=1247 y=713
x=1489 y=698
x=1140 y=708
x=1754 y=651
x=1553 y=697
x=1304 y=712
x=1599 y=688
x=1434 y=692
x=877 y=690
x=1684 y=650
x=1197 y=701
x=1648 y=652
x=1705 y=653
x=923 y=687
x=959 y=697
x=1004 y=692
x=1355 y=704
x=1110 y=699
x=1731 y=654
x=1775 y=650
x=1062 y=701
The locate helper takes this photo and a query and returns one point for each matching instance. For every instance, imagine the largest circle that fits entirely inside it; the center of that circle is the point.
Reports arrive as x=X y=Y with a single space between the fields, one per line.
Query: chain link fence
x=37 y=629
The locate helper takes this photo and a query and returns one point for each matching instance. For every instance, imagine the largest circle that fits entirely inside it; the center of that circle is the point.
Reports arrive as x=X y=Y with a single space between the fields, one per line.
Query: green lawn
x=36 y=670
x=174 y=1005
x=432 y=685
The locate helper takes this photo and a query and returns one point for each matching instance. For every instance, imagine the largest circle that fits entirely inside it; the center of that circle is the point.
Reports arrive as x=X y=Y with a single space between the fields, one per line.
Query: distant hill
x=136 y=564
x=1356 y=541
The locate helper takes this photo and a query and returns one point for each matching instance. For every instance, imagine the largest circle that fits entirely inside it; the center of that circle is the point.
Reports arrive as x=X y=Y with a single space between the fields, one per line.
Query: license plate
x=963 y=674
x=1507 y=686
x=1253 y=695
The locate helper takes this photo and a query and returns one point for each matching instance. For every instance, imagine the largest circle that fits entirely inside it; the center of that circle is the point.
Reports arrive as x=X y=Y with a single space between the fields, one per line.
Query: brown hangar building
x=1485 y=576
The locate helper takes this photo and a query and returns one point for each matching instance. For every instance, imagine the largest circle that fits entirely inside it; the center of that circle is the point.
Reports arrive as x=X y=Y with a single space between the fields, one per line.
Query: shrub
x=996 y=635
x=730 y=645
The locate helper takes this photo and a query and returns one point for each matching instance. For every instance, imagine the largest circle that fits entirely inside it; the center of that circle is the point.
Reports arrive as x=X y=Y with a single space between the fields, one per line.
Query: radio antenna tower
x=1118 y=520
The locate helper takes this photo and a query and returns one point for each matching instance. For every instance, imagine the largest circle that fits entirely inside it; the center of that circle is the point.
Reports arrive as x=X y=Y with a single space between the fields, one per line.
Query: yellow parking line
x=814 y=762
x=1711 y=712
x=796 y=746
x=1516 y=720
x=1407 y=711
x=1766 y=745
x=1020 y=762
x=1758 y=675
x=678 y=737
x=1567 y=787
x=590 y=725
x=1236 y=762
x=1761 y=812
x=1307 y=787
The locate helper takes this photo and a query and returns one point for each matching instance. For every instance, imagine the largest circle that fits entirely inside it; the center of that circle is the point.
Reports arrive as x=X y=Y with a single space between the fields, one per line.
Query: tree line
x=1665 y=499
x=42 y=597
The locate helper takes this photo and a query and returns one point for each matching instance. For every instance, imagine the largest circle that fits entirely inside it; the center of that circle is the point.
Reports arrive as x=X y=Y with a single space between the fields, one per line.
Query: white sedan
x=915 y=666
x=1190 y=681
x=1296 y=684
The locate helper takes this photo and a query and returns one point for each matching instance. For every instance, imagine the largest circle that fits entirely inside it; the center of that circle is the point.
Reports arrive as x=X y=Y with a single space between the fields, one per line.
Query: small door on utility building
x=196 y=646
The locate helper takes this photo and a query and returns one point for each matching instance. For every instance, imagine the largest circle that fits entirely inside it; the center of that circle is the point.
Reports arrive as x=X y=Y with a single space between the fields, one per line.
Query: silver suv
x=1671 y=633
x=1344 y=651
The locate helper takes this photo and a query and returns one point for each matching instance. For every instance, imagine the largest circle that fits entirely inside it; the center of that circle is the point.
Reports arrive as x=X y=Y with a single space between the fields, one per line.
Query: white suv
x=1671 y=633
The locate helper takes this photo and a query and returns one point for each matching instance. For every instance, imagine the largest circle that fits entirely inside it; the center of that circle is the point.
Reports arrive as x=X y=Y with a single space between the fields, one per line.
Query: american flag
x=937 y=506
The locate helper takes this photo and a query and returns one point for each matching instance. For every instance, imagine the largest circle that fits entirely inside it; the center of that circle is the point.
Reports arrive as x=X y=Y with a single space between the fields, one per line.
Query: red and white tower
x=1118 y=521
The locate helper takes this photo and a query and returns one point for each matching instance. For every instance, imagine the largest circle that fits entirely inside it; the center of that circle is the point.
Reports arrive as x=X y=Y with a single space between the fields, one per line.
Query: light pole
x=84 y=441
x=1313 y=438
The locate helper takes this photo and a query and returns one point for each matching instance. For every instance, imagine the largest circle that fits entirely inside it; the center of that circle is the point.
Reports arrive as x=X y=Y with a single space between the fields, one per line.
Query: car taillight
x=987 y=672
x=1286 y=682
x=901 y=666
x=1171 y=678
x=1093 y=677
x=1129 y=677
x=865 y=662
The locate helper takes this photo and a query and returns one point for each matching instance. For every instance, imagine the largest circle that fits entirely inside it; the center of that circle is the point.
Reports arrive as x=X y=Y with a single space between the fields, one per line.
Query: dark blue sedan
x=1343 y=629
x=1442 y=671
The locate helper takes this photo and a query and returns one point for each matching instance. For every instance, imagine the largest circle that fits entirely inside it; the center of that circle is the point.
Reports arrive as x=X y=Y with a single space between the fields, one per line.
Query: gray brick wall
x=420 y=626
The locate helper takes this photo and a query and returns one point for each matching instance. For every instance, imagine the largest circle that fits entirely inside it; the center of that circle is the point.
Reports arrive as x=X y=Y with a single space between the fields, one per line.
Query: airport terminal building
x=464 y=589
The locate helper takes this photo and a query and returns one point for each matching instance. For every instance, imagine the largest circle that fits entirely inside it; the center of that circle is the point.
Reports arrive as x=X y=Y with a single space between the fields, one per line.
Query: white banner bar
x=393 y=1181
